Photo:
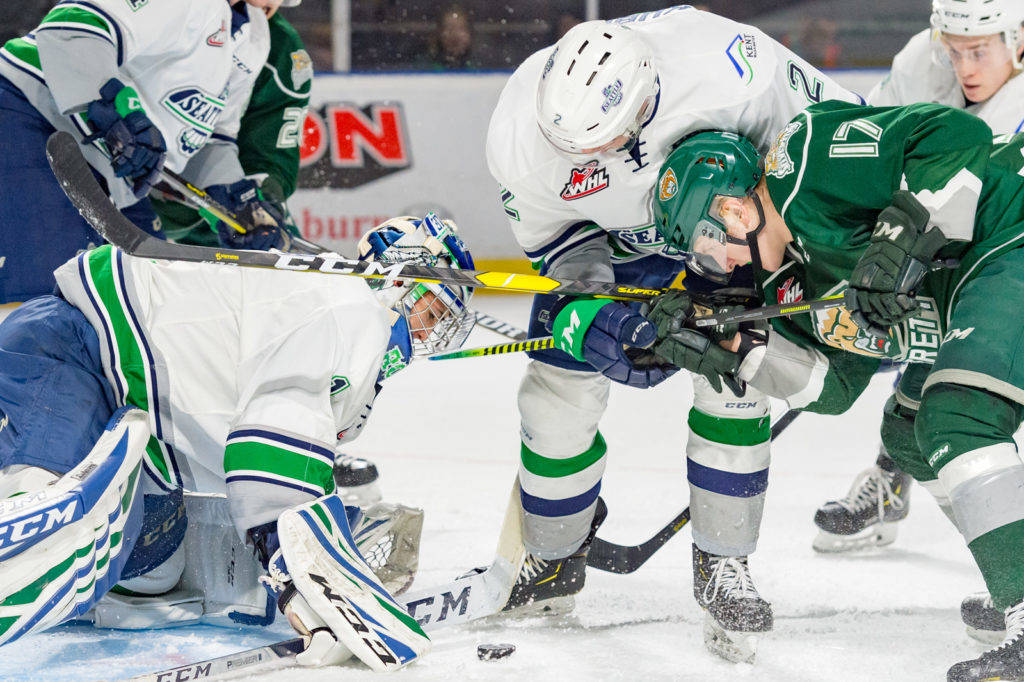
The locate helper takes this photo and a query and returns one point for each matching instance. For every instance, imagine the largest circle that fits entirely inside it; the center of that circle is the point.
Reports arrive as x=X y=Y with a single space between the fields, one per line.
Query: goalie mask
x=703 y=167
x=436 y=314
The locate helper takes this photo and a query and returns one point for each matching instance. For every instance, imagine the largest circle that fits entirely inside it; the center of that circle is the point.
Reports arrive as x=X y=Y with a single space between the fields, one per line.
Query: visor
x=708 y=251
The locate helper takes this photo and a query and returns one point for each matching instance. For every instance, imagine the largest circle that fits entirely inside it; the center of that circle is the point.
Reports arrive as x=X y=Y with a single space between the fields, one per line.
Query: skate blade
x=736 y=647
x=986 y=637
x=556 y=606
x=877 y=535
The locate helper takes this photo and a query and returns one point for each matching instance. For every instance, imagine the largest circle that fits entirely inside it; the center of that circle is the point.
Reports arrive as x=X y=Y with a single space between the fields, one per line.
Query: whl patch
x=585 y=181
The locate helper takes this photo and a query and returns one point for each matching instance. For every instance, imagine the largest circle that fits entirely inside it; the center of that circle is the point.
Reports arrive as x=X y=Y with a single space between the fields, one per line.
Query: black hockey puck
x=494 y=652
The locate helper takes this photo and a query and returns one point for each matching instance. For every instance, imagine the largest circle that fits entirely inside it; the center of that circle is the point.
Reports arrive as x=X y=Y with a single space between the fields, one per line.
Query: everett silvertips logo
x=668 y=185
x=585 y=181
x=778 y=162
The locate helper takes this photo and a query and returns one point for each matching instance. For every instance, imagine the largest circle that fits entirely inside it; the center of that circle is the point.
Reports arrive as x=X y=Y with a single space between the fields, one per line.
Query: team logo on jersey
x=836 y=328
x=790 y=291
x=199 y=110
x=136 y=4
x=302 y=68
x=585 y=181
x=778 y=162
x=668 y=185
x=612 y=96
x=218 y=37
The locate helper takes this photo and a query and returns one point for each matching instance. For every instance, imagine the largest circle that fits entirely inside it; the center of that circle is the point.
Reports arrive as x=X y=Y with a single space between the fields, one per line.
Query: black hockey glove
x=245 y=200
x=885 y=280
x=136 y=146
x=698 y=349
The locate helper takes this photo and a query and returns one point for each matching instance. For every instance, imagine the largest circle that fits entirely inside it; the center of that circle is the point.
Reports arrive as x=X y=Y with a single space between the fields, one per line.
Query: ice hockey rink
x=445 y=437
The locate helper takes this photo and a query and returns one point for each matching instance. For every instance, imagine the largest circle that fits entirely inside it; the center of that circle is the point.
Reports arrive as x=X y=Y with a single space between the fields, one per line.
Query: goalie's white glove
x=331 y=596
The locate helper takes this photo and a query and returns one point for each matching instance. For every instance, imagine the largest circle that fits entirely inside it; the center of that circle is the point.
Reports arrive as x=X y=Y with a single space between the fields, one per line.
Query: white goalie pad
x=338 y=585
x=63 y=547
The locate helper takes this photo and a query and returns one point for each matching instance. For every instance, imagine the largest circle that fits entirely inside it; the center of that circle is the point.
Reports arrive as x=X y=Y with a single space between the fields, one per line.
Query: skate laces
x=1014 y=625
x=730 y=575
x=532 y=567
x=872 y=486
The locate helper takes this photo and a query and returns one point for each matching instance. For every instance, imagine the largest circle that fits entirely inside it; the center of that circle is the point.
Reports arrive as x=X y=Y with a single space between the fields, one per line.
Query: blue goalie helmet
x=436 y=314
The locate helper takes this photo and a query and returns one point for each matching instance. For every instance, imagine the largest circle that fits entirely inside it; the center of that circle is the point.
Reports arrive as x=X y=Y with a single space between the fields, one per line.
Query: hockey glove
x=886 y=278
x=245 y=200
x=136 y=147
x=698 y=349
x=612 y=338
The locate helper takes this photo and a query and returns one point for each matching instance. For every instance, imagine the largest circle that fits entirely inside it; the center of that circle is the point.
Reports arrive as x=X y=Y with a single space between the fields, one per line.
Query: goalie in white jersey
x=249 y=378
x=143 y=84
x=576 y=142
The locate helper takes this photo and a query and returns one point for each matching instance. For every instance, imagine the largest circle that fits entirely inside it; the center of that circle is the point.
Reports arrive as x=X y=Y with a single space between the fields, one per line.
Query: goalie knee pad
x=63 y=547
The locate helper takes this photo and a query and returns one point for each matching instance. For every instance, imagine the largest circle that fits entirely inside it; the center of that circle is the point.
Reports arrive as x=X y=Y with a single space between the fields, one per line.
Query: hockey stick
x=613 y=558
x=769 y=311
x=526 y=345
x=78 y=182
x=499 y=327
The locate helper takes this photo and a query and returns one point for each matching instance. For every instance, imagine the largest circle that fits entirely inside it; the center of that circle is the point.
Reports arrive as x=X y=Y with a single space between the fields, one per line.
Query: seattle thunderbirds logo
x=197 y=109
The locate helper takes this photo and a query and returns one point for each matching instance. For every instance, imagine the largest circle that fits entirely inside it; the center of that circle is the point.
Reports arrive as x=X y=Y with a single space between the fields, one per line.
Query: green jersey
x=836 y=166
x=270 y=134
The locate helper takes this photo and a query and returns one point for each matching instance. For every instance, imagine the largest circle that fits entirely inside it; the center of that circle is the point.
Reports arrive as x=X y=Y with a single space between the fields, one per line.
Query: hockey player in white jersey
x=575 y=142
x=970 y=58
x=141 y=84
x=290 y=366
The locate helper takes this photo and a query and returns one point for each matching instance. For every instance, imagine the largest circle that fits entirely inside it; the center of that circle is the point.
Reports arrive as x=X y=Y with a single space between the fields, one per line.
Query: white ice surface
x=445 y=437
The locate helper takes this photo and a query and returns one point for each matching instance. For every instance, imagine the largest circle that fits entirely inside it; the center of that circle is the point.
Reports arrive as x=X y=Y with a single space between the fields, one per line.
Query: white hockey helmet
x=598 y=84
x=981 y=18
x=436 y=315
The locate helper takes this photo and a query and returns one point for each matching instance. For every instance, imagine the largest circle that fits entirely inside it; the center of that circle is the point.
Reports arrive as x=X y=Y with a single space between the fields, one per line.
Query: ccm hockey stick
x=607 y=556
x=78 y=182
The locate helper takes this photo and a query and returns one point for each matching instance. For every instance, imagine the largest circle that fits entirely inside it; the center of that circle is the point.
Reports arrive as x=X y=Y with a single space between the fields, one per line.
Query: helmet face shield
x=709 y=250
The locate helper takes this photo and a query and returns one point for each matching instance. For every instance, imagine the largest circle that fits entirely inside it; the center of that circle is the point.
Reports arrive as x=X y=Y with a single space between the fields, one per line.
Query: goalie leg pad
x=338 y=585
x=64 y=547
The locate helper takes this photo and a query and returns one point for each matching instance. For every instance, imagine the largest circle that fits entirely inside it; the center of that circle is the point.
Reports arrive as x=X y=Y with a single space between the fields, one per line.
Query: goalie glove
x=885 y=280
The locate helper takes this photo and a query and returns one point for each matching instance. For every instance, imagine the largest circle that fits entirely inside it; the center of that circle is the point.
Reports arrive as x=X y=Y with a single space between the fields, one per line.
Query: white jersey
x=192 y=67
x=714 y=74
x=249 y=376
x=921 y=73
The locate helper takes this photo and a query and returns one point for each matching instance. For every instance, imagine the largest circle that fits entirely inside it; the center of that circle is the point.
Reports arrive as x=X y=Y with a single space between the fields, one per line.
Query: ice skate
x=547 y=587
x=1003 y=662
x=984 y=621
x=878 y=499
x=735 y=614
x=356 y=479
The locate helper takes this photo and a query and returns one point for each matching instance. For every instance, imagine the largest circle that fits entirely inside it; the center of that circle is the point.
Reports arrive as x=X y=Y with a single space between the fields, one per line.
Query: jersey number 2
x=291 y=127
x=798 y=79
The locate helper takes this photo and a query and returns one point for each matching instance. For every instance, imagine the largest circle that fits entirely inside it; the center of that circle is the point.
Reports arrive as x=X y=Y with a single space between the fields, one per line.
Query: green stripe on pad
x=24 y=51
x=255 y=456
x=406 y=619
x=549 y=467
x=740 y=432
x=77 y=15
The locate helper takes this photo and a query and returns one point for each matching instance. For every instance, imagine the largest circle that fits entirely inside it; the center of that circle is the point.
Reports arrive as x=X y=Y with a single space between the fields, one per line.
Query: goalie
x=108 y=412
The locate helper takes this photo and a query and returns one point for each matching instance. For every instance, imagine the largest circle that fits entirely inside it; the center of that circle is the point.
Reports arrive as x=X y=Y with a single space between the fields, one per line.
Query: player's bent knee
x=967 y=436
x=48 y=578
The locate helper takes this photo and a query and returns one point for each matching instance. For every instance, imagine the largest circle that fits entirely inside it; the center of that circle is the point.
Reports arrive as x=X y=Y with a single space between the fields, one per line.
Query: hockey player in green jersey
x=916 y=215
x=270 y=133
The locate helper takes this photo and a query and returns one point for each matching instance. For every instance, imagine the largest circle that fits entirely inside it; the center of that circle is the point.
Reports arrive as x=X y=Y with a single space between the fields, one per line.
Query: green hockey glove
x=885 y=280
x=696 y=350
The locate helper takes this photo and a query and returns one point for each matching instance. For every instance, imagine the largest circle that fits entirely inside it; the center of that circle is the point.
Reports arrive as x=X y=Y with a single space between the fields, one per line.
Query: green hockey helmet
x=703 y=166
